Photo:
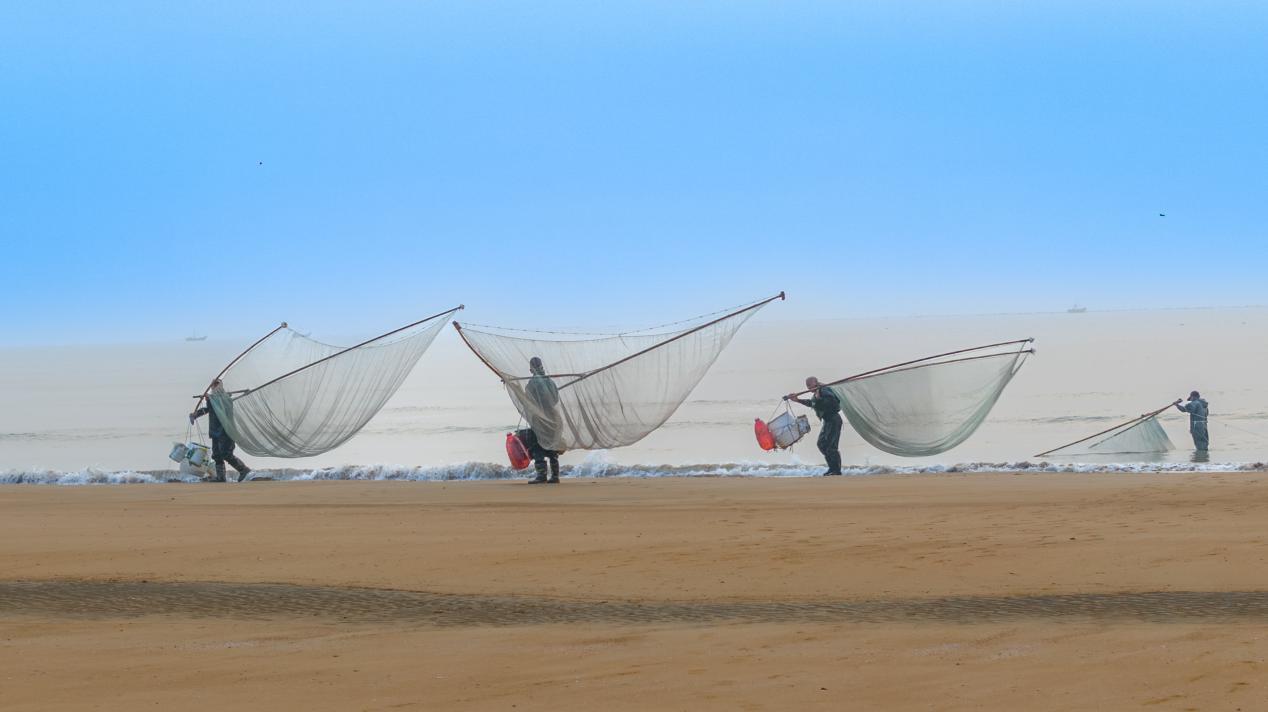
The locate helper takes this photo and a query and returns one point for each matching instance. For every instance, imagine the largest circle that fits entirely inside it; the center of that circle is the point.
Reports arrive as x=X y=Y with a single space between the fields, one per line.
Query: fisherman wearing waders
x=1197 y=409
x=543 y=398
x=828 y=407
x=222 y=446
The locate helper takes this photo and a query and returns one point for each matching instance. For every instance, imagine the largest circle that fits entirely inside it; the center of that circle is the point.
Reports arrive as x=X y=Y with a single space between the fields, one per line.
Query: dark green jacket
x=825 y=403
x=214 y=428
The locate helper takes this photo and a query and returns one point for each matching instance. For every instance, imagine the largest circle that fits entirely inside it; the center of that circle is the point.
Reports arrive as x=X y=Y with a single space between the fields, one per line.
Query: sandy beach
x=892 y=592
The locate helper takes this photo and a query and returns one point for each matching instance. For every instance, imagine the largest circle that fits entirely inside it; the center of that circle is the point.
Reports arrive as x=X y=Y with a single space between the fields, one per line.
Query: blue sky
x=170 y=167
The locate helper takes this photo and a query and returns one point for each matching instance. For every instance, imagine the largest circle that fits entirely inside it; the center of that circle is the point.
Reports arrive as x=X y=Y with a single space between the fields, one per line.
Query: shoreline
x=490 y=472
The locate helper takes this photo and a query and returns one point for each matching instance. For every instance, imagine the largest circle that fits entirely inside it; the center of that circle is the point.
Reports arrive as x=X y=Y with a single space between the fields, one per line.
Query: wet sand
x=895 y=592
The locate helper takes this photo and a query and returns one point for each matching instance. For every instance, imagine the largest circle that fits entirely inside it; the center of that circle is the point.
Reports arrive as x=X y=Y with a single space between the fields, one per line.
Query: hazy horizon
x=350 y=337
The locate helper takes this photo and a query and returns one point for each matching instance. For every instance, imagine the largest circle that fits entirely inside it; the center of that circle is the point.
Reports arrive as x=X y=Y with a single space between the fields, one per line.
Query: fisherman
x=543 y=421
x=1197 y=408
x=222 y=445
x=828 y=407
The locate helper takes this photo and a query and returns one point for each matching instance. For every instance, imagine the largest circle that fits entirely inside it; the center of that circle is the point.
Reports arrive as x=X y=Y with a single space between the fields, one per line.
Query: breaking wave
x=599 y=467
x=91 y=476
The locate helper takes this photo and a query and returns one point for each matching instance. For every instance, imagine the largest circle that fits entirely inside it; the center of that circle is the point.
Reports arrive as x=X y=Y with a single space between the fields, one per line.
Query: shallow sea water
x=105 y=413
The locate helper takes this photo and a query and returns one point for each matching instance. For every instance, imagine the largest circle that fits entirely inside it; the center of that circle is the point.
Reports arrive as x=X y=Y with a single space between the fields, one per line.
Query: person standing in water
x=1197 y=408
x=543 y=421
x=222 y=445
x=827 y=406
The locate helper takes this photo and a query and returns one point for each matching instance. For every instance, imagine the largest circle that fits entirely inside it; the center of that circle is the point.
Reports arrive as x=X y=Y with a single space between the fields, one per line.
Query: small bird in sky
x=260 y=163
x=1161 y=215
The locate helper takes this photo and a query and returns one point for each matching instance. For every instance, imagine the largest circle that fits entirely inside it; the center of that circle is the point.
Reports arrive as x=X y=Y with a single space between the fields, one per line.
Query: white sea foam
x=598 y=467
x=90 y=476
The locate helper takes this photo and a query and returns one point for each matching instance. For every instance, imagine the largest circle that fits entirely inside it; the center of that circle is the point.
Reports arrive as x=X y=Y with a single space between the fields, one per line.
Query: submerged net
x=598 y=393
x=1139 y=436
x=931 y=405
x=304 y=397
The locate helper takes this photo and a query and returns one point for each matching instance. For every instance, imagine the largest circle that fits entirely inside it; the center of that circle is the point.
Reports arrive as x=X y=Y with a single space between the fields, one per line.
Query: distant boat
x=196 y=338
x=1076 y=309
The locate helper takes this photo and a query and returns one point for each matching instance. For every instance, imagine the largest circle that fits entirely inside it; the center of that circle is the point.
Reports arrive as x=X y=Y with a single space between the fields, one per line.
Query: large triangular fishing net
x=608 y=391
x=1143 y=435
x=928 y=406
x=304 y=397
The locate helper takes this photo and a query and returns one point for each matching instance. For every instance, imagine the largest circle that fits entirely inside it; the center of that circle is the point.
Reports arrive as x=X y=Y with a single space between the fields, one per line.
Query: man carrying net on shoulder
x=543 y=421
x=222 y=445
x=827 y=406
x=1197 y=408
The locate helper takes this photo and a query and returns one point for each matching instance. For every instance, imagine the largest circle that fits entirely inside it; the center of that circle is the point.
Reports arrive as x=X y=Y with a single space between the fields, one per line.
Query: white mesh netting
x=1140 y=436
x=598 y=393
x=331 y=392
x=929 y=406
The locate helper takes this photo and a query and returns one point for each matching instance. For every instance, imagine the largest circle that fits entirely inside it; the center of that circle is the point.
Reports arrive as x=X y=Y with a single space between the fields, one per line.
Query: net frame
x=225 y=402
x=1113 y=432
x=939 y=359
x=1018 y=350
x=592 y=426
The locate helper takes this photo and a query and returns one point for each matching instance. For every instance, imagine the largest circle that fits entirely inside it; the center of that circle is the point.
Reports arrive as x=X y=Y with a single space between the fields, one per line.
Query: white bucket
x=788 y=429
x=199 y=471
x=199 y=455
x=178 y=453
